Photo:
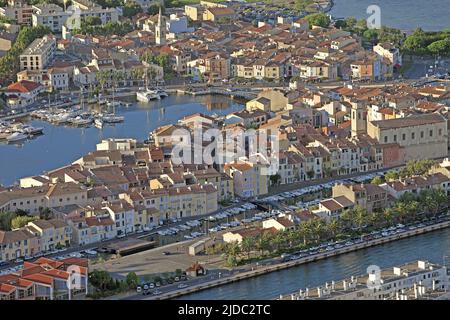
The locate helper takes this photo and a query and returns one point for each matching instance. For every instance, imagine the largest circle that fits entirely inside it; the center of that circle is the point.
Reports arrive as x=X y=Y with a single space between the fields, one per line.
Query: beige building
x=53 y=233
x=421 y=136
x=368 y=196
x=38 y=54
x=248 y=179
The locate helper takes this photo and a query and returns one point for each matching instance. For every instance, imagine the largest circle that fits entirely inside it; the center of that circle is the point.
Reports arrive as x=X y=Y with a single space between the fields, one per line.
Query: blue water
x=61 y=145
x=432 y=247
x=402 y=14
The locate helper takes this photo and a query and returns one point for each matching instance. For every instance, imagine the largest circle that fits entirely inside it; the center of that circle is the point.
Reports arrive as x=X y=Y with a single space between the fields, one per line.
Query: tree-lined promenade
x=409 y=208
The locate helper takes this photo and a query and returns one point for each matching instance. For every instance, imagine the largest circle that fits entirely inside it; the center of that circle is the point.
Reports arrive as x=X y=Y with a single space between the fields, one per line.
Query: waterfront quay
x=275 y=264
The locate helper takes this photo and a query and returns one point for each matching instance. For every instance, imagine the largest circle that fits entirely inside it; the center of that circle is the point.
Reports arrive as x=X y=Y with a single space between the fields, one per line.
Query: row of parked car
x=147 y=288
x=386 y=232
x=213 y=218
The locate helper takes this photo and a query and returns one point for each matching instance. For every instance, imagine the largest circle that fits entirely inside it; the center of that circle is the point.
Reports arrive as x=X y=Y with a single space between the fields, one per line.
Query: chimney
x=434 y=284
x=333 y=285
x=307 y=292
x=319 y=292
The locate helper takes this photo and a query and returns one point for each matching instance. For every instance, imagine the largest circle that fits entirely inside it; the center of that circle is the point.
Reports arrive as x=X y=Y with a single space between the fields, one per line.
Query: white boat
x=112 y=118
x=17 y=136
x=80 y=121
x=147 y=95
x=32 y=130
x=98 y=123
x=113 y=104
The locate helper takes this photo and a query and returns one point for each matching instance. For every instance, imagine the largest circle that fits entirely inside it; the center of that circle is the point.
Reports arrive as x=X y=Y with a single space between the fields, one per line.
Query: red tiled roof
x=23 y=86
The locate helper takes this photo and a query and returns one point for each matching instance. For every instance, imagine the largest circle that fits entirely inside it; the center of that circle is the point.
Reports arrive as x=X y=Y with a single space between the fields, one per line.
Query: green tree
x=100 y=279
x=263 y=243
x=21 y=221
x=130 y=9
x=318 y=19
x=154 y=9
x=248 y=245
x=275 y=179
x=391 y=175
x=132 y=280
x=371 y=35
x=440 y=47
x=92 y=21
x=5 y=220
x=377 y=180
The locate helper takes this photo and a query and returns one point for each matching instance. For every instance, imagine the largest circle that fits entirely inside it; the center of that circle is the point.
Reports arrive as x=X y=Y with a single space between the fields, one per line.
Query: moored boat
x=17 y=136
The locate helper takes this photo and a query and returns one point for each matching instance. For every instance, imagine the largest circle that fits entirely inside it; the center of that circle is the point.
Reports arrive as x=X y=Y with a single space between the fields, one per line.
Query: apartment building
x=417 y=184
x=368 y=196
x=419 y=280
x=22 y=93
x=122 y=213
x=54 y=233
x=18 y=10
x=38 y=54
x=422 y=136
x=58 y=78
x=47 y=279
x=46 y=196
x=332 y=208
x=388 y=51
x=248 y=179
x=50 y=15
x=94 y=229
x=221 y=181
x=18 y=243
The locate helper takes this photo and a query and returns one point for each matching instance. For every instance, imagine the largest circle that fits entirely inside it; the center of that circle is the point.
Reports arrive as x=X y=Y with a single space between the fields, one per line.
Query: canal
x=61 y=145
x=434 y=246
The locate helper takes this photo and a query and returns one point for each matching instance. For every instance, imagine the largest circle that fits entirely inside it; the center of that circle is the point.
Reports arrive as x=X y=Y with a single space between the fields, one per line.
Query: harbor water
x=433 y=246
x=431 y=15
x=61 y=145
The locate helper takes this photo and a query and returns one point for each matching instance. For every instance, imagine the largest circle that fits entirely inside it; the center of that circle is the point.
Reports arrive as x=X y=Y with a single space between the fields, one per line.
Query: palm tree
x=303 y=231
x=333 y=228
x=263 y=243
x=102 y=79
x=388 y=215
x=232 y=250
x=247 y=245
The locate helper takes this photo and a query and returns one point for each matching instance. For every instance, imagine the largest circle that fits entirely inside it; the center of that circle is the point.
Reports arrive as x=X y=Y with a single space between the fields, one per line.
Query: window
x=404 y=136
x=413 y=135
x=385 y=139
x=431 y=133
x=395 y=138
x=421 y=134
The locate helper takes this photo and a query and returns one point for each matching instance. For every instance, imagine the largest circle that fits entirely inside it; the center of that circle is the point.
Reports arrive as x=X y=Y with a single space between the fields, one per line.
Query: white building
x=22 y=93
x=420 y=280
x=50 y=15
x=59 y=79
